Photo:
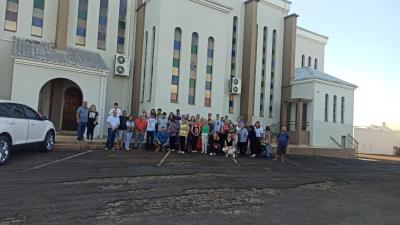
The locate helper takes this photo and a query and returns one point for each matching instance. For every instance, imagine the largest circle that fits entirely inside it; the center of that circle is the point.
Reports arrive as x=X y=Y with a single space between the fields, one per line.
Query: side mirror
x=45 y=118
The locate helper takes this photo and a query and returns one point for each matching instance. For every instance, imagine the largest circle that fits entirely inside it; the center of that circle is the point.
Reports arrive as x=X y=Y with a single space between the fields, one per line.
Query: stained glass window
x=193 y=69
x=82 y=22
x=37 y=18
x=121 y=26
x=209 y=72
x=11 y=18
x=176 y=65
x=102 y=32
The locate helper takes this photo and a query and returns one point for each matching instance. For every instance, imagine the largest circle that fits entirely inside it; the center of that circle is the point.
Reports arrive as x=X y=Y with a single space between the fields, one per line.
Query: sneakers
x=181 y=152
x=253 y=156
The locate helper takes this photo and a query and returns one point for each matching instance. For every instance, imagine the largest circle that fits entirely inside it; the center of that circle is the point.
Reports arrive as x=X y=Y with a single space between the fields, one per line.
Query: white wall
x=310 y=44
x=376 y=141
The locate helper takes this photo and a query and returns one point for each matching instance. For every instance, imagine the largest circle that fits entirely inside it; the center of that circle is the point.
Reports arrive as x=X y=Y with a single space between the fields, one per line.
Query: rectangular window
x=193 y=69
x=82 y=22
x=176 y=65
x=37 y=18
x=145 y=65
x=11 y=18
x=273 y=58
x=102 y=32
x=263 y=71
x=121 y=26
x=210 y=63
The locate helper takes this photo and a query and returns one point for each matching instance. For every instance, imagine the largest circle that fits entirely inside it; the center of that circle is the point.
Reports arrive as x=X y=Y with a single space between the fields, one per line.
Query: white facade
x=377 y=140
x=206 y=18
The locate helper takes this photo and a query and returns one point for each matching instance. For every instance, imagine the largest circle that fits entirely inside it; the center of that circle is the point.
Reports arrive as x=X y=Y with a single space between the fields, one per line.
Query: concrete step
x=79 y=147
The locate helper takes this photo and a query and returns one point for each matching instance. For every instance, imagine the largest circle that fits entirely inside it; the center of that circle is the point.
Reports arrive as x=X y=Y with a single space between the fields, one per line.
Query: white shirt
x=119 y=112
x=151 y=124
x=112 y=122
x=259 y=131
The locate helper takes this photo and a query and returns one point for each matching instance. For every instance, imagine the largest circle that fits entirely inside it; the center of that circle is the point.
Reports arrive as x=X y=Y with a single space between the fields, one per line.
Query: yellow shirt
x=183 y=130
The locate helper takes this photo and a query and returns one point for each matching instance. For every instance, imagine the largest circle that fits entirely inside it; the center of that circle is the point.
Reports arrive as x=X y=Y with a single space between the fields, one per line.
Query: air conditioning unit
x=122 y=65
x=236 y=86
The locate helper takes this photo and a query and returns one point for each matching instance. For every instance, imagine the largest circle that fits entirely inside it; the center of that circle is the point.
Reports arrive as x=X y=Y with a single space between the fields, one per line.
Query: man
x=178 y=116
x=150 y=131
x=158 y=117
x=283 y=139
x=82 y=118
x=112 y=128
x=115 y=107
x=217 y=124
x=122 y=129
x=162 y=121
x=161 y=139
x=140 y=128
x=209 y=116
x=242 y=134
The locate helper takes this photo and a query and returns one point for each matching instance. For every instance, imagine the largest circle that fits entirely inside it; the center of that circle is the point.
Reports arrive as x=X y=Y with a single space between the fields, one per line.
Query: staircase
x=70 y=143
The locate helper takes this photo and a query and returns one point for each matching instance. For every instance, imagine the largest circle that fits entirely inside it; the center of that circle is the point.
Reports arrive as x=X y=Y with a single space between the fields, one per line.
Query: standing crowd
x=183 y=133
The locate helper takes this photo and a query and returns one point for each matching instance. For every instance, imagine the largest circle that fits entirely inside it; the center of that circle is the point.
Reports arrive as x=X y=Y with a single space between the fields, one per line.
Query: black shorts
x=282 y=149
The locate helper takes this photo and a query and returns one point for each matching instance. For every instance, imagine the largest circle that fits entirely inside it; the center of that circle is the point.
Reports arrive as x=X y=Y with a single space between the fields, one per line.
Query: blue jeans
x=111 y=138
x=267 y=150
x=149 y=139
x=81 y=130
x=128 y=138
x=139 y=137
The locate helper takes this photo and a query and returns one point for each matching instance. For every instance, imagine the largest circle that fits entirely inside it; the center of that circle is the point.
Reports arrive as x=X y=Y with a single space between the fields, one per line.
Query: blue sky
x=363 y=48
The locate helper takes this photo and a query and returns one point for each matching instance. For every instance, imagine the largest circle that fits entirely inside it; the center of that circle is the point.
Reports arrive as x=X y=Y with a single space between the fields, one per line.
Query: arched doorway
x=72 y=100
x=58 y=100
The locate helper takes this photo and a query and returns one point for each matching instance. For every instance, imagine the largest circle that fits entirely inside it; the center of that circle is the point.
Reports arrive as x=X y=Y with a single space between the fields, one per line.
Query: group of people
x=182 y=133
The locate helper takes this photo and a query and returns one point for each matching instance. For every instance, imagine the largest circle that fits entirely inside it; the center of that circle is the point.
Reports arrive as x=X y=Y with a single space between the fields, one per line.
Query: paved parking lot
x=99 y=187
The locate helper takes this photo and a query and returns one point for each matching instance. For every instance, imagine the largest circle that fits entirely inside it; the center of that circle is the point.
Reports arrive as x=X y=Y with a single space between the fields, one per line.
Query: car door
x=14 y=121
x=37 y=127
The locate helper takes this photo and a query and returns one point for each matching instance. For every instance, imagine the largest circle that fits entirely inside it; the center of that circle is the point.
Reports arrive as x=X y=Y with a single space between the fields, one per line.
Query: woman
x=130 y=125
x=205 y=130
x=267 y=141
x=229 y=146
x=183 y=133
x=252 y=138
x=215 y=144
x=259 y=134
x=153 y=113
x=173 y=129
x=92 y=122
x=192 y=139
x=171 y=116
x=232 y=128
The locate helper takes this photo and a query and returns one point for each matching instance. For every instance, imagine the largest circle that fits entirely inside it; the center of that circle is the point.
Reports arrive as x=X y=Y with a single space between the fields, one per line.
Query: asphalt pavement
x=103 y=187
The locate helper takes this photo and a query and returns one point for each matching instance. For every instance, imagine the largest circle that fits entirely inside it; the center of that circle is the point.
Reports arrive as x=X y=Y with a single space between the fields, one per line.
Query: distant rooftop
x=308 y=73
x=47 y=53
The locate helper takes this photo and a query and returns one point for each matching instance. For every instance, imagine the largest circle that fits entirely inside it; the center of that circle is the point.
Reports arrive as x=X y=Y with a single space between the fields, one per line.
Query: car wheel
x=48 y=143
x=5 y=148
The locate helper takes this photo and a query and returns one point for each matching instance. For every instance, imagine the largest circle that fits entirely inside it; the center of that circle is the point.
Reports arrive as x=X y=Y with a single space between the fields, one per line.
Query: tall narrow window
x=309 y=61
x=326 y=107
x=152 y=63
x=37 y=18
x=102 y=33
x=10 y=23
x=209 y=72
x=233 y=60
x=176 y=65
x=146 y=36
x=342 y=110
x=303 y=60
x=82 y=22
x=193 y=69
x=334 y=108
x=121 y=26
x=273 y=67
x=263 y=71
x=316 y=64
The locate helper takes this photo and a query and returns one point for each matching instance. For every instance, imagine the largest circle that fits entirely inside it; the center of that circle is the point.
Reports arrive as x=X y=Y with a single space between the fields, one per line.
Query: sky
x=364 y=49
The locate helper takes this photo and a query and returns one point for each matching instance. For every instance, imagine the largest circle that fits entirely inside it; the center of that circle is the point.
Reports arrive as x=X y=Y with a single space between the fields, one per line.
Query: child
x=161 y=139
x=183 y=133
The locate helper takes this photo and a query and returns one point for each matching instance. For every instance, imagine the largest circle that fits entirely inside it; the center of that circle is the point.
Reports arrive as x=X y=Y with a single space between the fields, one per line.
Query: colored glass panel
x=210 y=63
x=82 y=22
x=103 y=18
x=176 y=65
x=11 y=16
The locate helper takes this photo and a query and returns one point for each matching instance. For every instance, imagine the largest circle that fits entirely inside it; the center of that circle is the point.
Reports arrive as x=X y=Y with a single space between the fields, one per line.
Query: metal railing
x=353 y=143
x=336 y=142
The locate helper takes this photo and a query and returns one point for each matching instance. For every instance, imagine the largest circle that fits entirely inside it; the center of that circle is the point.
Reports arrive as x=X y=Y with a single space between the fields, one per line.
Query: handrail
x=336 y=142
x=354 y=143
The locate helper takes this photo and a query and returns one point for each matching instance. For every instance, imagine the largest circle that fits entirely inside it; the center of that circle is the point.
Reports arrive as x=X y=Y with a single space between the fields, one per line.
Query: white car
x=20 y=125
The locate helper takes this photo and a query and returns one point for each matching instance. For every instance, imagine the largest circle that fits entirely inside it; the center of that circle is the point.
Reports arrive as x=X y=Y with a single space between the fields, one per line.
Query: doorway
x=72 y=100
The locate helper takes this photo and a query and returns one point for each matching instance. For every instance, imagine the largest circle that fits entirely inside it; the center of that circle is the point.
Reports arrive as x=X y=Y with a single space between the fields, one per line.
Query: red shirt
x=140 y=124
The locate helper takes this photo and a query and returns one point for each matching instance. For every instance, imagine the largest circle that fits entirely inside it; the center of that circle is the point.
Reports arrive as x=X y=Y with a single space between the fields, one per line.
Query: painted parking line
x=330 y=161
x=293 y=163
x=60 y=160
x=370 y=160
x=165 y=157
